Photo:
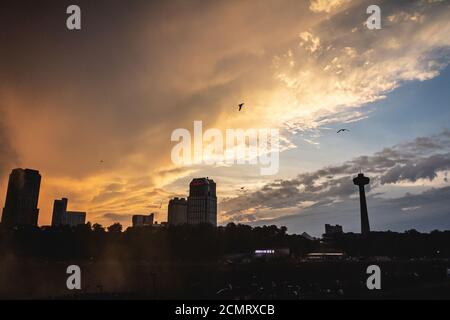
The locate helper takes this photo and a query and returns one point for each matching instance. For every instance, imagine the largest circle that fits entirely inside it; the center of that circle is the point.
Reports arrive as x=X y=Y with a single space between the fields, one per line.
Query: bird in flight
x=343 y=130
x=240 y=106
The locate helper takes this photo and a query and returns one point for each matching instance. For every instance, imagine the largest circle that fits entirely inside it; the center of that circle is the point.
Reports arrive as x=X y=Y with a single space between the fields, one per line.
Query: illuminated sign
x=268 y=251
x=199 y=183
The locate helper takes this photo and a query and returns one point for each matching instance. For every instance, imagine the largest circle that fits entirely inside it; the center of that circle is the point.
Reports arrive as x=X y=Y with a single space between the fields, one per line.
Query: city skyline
x=23 y=195
x=200 y=207
x=99 y=129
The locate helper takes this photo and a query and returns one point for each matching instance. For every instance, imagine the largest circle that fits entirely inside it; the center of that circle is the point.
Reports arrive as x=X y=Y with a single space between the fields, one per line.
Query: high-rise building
x=177 y=212
x=74 y=218
x=59 y=211
x=333 y=230
x=202 y=202
x=22 y=198
x=62 y=217
x=143 y=220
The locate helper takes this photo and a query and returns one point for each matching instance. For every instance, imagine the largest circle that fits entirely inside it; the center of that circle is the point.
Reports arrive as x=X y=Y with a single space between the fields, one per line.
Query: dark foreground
x=260 y=279
x=203 y=262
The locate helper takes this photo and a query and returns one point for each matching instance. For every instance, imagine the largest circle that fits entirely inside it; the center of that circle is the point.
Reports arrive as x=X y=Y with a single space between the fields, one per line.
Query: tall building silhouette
x=333 y=230
x=202 y=202
x=59 y=211
x=177 y=212
x=62 y=217
x=361 y=181
x=22 y=198
x=74 y=218
x=140 y=220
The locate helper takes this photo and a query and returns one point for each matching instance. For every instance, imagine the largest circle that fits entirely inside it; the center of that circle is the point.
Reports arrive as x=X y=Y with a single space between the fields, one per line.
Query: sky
x=94 y=109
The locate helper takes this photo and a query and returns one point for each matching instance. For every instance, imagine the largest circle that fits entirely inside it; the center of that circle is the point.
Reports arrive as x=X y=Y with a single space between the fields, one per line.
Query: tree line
x=95 y=242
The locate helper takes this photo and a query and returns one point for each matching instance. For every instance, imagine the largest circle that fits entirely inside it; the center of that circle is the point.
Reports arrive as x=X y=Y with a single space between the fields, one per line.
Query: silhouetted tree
x=205 y=242
x=98 y=228
x=115 y=228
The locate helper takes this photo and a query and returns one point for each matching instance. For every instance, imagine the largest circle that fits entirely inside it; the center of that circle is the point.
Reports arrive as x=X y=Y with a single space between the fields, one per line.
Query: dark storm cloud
x=426 y=168
x=136 y=71
x=110 y=84
x=78 y=79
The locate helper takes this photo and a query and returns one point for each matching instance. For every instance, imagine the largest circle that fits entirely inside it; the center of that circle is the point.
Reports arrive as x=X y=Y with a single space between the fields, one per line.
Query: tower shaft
x=365 y=227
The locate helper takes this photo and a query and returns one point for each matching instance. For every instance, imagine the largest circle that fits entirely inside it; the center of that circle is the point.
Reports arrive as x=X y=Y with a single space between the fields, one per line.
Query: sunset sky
x=93 y=110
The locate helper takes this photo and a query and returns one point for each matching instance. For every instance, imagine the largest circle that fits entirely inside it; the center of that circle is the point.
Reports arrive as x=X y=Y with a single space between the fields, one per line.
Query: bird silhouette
x=240 y=106
x=343 y=130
